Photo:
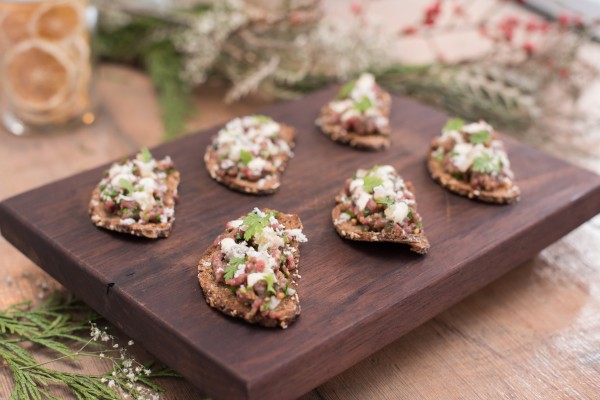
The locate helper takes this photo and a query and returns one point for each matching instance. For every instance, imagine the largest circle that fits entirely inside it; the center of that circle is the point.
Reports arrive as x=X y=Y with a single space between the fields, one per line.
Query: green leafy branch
x=59 y=325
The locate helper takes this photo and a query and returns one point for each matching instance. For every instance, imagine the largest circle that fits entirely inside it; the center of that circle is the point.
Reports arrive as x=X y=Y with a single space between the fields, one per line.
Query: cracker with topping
x=249 y=154
x=251 y=270
x=377 y=205
x=137 y=197
x=359 y=115
x=470 y=160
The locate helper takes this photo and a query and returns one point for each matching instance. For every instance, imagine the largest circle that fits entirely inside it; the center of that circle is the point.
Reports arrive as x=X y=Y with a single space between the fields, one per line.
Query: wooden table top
x=535 y=333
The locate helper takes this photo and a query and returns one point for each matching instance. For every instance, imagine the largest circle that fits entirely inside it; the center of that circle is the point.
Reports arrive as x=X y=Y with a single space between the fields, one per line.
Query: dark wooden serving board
x=356 y=297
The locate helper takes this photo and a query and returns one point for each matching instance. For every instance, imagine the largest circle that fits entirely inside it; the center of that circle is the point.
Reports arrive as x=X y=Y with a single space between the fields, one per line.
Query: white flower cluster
x=127 y=371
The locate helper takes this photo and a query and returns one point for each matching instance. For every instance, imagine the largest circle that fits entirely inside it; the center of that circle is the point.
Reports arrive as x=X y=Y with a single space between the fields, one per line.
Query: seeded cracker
x=359 y=116
x=251 y=270
x=378 y=206
x=137 y=197
x=249 y=154
x=470 y=160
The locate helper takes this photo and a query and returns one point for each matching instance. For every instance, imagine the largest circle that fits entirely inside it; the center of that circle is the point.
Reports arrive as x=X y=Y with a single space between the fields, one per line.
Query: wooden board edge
x=531 y=241
x=114 y=305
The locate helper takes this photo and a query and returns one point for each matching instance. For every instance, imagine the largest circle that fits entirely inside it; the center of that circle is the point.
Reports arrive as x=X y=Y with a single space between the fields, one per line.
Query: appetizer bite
x=249 y=154
x=469 y=159
x=251 y=270
x=137 y=197
x=359 y=115
x=378 y=206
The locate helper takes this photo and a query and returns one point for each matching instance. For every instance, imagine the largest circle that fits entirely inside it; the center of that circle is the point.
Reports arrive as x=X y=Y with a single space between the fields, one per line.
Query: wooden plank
x=356 y=297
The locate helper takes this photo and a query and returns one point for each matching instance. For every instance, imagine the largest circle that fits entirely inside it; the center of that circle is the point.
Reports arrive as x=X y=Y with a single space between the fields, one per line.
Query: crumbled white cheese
x=269 y=239
x=127 y=221
x=477 y=127
x=258 y=276
x=397 y=212
x=362 y=200
x=297 y=234
x=235 y=223
x=256 y=165
x=233 y=249
x=144 y=199
x=273 y=303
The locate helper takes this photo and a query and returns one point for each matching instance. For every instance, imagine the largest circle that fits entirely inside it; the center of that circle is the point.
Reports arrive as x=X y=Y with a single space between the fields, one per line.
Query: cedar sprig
x=68 y=328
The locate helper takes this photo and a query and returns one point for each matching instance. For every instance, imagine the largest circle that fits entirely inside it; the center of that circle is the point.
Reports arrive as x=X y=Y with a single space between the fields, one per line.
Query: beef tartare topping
x=359 y=107
x=135 y=190
x=257 y=259
x=250 y=148
x=379 y=200
x=473 y=154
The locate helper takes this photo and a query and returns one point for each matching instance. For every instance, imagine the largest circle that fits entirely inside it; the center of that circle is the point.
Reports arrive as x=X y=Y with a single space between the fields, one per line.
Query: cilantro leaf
x=261 y=119
x=454 y=124
x=125 y=184
x=480 y=137
x=246 y=156
x=485 y=164
x=270 y=279
x=254 y=224
x=363 y=104
x=370 y=182
x=146 y=155
x=388 y=201
x=346 y=90
x=232 y=267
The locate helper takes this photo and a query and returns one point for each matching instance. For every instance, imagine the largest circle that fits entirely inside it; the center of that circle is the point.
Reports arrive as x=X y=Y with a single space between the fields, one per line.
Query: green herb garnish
x=246 y=156
x=261 y=119
x=439 y=156
x=370 y=182
x=255 y=224
x=232 y=267
x=146 y=155
x=346 y=90
x=480 y=137
x=387 y=201
x=363 y=104
x=485 y=164
x=125 y=184
x=270 y=279
x=454 y=124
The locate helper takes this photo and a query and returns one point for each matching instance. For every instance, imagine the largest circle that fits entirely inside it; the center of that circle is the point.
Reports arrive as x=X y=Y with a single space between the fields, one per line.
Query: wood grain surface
x=356 y=298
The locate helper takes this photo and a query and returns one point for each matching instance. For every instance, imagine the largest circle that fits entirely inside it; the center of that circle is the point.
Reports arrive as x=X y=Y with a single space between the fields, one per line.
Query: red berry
x=529 y=48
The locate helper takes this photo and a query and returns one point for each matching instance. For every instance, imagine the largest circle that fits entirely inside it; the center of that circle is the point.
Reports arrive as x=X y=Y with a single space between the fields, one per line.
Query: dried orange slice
x=58 y=20
x=37 y=75
x=15 y=20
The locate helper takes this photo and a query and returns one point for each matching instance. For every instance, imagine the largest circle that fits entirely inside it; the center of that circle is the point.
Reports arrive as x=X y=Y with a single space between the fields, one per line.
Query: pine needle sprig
x=64 y=327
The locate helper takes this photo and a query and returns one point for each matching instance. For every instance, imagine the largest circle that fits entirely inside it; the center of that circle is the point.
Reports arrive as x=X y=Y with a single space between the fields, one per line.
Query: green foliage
x=370 y=182
x=132 y=43
x=270 y=279
x=388 y=201
x=146 y=155
x=125 y=184
x=479 y=137
x=346 y=90
x=232 y=267
x=363 y=104
x=485 y=164
x=56 y=325
x=262 y=119
x=246 y=156
x=454 y=124
x=255 y=224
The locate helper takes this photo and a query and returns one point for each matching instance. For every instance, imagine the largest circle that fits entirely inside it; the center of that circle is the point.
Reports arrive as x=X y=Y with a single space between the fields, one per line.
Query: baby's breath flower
x=111 y=384
x=130 y=343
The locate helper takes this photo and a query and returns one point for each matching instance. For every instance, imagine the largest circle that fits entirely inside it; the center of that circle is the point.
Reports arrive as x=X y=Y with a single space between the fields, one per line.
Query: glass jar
x=46 y=73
